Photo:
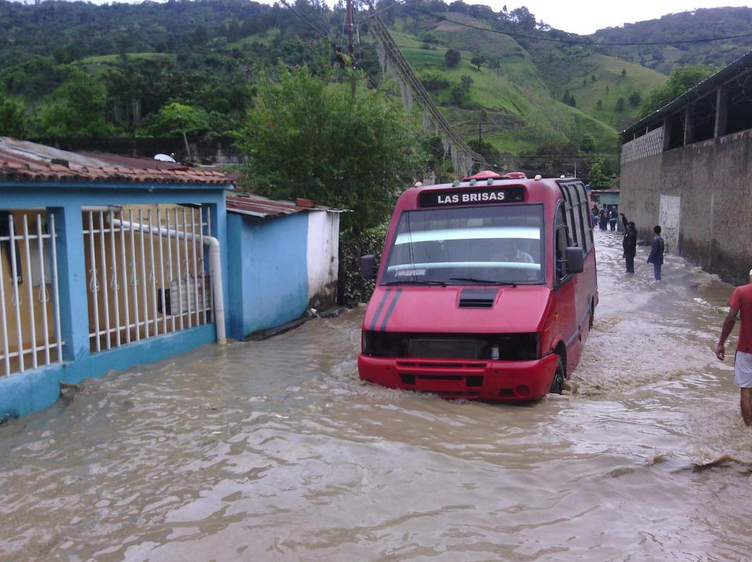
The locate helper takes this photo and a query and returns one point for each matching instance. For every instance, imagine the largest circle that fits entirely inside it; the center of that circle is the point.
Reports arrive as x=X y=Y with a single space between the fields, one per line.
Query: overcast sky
x=585 y=16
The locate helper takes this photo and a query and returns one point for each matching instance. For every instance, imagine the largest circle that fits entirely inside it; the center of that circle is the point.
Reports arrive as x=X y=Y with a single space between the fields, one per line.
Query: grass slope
x=519 y=109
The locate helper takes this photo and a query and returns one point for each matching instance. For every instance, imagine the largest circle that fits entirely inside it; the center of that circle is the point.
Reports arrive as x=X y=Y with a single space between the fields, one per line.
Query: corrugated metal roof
x=32 y=162
x=258 y=206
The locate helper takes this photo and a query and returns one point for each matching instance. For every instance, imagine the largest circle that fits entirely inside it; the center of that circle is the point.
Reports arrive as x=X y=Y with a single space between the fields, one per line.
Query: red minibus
x=486 y=289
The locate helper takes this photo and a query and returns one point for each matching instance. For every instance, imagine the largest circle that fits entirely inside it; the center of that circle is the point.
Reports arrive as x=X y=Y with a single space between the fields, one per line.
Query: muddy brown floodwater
x=275 y=451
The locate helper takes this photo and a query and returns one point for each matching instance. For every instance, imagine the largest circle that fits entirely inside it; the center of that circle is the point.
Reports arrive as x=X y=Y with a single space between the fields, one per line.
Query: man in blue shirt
x=656 y=252
x=613 y=216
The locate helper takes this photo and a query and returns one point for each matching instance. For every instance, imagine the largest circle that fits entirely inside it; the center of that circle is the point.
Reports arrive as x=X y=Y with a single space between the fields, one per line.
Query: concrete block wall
x=713 y=181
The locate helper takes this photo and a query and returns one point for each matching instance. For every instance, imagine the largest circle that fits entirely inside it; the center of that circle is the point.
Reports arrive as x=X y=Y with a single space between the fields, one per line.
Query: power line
x=576 y=41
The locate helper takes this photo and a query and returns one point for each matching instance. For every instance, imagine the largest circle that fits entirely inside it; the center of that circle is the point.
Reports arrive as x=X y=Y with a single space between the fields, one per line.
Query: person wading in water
x=740 y=301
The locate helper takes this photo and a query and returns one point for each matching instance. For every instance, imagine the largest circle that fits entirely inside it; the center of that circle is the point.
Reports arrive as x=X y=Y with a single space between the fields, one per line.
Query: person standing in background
x=629 y=243
x=740 y=302
x=656 y=252
x=603 y=218
x=613 y=216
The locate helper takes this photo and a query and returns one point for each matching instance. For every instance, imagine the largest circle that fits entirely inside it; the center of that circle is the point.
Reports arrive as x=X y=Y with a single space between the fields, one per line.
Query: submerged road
x=274 y=450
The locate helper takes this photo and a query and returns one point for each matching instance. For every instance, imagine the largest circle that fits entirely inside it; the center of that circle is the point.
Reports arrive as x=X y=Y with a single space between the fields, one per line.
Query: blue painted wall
x=268 y=271
x=30 y=391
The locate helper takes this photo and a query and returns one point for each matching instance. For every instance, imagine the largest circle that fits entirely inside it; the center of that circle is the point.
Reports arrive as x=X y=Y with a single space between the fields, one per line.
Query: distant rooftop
x=32 y=162
x=262 y=207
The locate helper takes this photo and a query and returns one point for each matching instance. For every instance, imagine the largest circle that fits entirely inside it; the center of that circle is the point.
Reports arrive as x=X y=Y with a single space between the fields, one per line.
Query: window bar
x=153 y=273
x=180 y=274
x=195 y=266
x=30 y=292
x=169 y=269
x=4 y=319
x=126 y=301
x=144 y=296
x=16 y=297
x=55 y=292
x=161 y=272
x=115 y=285
x=43 y=290
x=93 y=283
x=187 y=269
x=134 y=276
x=204 y=299
x=106 y=293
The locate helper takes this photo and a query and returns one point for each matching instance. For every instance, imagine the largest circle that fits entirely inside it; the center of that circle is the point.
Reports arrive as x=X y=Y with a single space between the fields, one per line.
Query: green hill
x=528 y=94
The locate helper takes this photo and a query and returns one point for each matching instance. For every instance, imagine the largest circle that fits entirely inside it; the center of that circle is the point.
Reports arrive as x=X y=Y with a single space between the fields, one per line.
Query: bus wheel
x=557 y=385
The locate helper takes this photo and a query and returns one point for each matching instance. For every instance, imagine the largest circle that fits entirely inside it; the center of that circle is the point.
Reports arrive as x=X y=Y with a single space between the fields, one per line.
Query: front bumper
x=488 y=381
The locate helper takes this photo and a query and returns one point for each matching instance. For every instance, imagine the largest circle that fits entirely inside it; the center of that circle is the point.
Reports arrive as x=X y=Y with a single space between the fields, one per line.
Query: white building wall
x=323 y=258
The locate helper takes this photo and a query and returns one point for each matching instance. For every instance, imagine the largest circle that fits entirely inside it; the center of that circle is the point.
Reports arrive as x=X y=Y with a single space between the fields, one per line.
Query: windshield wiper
x=482 y=281
x=412 y=282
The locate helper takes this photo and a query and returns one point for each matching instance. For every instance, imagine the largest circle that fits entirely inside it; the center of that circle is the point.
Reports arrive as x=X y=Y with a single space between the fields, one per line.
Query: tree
x=680 y=80
x=477 y=60
x=452 y=58
x=77 y=110
x=465 y=82
x=572 y=101
x=635 y=99
x=623 y=72
x=13 y=120
x=588 y=144
x=597 y=179
x=620 y=105
x=599 y=105
x=523 y=18
x=307 y=136
x=566 y=97
x=592 y=78
x=179 y=118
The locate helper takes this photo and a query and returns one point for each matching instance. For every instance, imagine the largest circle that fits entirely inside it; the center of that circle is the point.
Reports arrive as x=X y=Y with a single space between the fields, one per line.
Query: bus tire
x=557 y=384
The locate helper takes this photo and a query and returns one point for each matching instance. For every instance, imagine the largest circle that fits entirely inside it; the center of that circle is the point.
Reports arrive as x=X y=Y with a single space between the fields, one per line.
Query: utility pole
x=351 y=42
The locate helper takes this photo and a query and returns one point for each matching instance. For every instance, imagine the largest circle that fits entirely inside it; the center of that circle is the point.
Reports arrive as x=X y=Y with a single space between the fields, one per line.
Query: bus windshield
x=488 y=244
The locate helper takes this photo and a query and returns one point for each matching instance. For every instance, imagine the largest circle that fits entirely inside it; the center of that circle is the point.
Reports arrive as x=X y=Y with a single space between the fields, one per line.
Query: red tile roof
x=28 y=161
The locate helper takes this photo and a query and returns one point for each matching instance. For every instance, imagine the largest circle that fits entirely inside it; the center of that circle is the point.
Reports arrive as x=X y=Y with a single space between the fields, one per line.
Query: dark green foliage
x=477 y=60
x=572 y=101
x=597 y=179
x=623 y=72
x=635 y=99
x=452 y=58
x=433 y=80
x=77 y=110
x=620 y=105
x=599 y=105
x=351 y=249
x=681 y=79
x=587 y=144
x=13 y=119
x=466 y=82
x=307 y=137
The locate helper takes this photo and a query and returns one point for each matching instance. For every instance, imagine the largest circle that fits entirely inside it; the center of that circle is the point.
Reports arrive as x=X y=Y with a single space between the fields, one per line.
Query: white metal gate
x=145 y=272
x=29 y=302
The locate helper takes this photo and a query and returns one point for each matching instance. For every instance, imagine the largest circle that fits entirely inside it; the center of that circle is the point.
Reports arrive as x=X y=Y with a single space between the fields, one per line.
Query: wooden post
x=721 y=111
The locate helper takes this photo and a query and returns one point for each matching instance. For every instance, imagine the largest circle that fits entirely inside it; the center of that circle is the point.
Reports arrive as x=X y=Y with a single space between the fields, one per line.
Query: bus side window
x=562 y=241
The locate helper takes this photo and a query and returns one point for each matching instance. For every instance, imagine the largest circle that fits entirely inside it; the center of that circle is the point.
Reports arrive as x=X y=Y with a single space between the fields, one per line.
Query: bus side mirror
x=368 y=267
x=575 y=260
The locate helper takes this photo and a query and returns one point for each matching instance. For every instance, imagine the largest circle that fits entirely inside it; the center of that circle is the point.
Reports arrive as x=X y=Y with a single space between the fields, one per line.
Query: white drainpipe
x=215 y=268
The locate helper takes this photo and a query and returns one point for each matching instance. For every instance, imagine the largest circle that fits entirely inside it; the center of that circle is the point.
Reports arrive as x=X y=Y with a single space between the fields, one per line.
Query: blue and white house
x=105 y=262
